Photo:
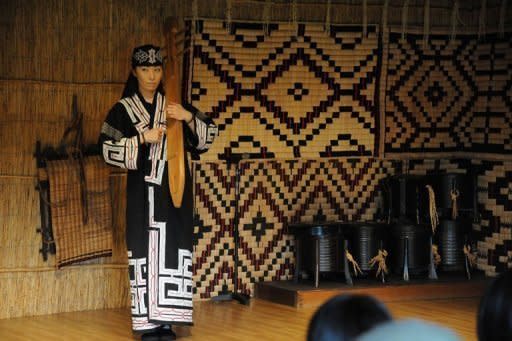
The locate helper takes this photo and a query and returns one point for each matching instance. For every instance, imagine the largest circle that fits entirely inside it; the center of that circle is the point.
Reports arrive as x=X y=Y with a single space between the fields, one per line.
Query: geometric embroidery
x=138 y=274
x=450 y=97
x=138 y=284
x=293 y=93
x=169 y=290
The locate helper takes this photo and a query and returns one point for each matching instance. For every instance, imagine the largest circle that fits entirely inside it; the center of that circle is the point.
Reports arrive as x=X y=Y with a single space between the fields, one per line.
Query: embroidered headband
x=147 y=55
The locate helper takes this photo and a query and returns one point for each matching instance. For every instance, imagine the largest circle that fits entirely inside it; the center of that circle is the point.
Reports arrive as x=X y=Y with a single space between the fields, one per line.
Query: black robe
x=158 y=235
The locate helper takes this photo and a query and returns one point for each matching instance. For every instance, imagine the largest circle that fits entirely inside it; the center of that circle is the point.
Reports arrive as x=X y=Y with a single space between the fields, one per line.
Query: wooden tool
x=175 y=148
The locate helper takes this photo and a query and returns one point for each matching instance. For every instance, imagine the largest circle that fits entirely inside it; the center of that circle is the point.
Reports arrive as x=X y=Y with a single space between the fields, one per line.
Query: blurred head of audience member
x=408 y=330
x=345 y=317
x=495 y=311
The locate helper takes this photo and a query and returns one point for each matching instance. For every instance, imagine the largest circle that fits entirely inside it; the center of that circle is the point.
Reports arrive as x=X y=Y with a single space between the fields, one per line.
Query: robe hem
x=161 y=323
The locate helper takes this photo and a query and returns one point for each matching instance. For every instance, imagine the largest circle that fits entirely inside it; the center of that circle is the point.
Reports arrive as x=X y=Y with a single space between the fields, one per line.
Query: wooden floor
x=261 y=320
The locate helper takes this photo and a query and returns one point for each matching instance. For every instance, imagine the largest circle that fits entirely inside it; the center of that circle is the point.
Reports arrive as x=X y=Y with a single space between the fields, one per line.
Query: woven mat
x=289 y=94
x=75 y=240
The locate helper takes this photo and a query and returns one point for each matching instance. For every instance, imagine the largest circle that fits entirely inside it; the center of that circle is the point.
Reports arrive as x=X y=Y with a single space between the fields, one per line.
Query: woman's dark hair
x=495 y=311
x=345 y=317
x=132 y=86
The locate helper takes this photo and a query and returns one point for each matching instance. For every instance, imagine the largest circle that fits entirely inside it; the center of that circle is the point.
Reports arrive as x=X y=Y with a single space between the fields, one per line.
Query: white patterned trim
x=132 y=151
x=142 y=323
x=138 y=285
x=137 y=112
x=158 y=151
x=158 y=276
x=206 y=133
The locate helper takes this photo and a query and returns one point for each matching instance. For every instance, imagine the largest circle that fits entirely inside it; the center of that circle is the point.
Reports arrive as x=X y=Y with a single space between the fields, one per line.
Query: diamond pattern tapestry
x=449 y=97
x=294 y=92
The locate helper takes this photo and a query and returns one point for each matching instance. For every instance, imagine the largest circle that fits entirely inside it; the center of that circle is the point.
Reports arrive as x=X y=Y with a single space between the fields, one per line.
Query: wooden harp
x=175 y=147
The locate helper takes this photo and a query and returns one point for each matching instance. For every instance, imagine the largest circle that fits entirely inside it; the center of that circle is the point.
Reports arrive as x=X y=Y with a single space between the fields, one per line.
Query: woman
x=158 y=235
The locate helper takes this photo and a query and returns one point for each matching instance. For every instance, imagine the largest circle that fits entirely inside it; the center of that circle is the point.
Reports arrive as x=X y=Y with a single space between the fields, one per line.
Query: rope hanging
x=294 y=18
x=327 y=27
x=455 y=16
x=229 y=4
x=470 y=255
x=266 y=17
x=435 y=253
x=365 y=18
x=405 y=15
x=195 y=16
x=501 y=25
x=380 y=259
x=481 y=19
x=454 y=194
x=355 y=266
x=434 y=219
x=426 y=23
x=385 y=16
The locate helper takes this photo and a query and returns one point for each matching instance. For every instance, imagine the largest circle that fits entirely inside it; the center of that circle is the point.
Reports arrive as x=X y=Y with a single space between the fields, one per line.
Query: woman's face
x=148 y=77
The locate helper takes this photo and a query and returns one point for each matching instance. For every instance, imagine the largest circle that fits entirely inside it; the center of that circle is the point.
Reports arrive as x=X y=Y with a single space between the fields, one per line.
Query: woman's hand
x=153 y=135
x=177 y=112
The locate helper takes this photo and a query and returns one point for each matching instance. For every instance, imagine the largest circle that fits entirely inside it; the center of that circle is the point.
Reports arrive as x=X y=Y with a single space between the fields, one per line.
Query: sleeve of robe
x=205 y=132
x=119 y=142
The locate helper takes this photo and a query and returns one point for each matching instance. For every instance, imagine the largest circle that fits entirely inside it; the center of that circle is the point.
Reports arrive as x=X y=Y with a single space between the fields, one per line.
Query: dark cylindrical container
x=444 y=185
x=407 y=197
x=330 y=241
x=418 y=247
x=451 y=235
x=365 y=240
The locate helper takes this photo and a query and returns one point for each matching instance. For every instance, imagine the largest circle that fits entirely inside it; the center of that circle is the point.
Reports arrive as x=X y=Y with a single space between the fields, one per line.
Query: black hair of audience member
x=495 y=312
x=345 y=317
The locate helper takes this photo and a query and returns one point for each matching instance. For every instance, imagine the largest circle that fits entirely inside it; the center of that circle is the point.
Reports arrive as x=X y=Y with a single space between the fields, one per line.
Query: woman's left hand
x=177 y=112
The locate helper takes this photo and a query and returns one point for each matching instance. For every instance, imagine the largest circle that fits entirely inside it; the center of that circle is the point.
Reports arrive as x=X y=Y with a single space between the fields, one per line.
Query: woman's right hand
x=153 y=135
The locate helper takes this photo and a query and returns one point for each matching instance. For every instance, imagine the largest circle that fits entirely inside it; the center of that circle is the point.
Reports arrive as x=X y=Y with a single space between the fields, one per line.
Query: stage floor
x=261 y=320
x=304 y=294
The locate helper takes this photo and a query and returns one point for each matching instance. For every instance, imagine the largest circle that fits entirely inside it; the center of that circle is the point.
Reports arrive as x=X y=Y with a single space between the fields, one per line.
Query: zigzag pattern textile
x=296 y=92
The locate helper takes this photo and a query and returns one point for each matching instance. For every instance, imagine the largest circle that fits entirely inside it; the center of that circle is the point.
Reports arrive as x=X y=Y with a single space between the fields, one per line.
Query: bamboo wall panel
x=76 y=41
x=33 y=111
x=48 y=291
x=19 y=218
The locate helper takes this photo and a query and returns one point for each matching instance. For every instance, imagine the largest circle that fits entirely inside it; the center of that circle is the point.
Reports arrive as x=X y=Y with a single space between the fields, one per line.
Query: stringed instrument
x=175 y=148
